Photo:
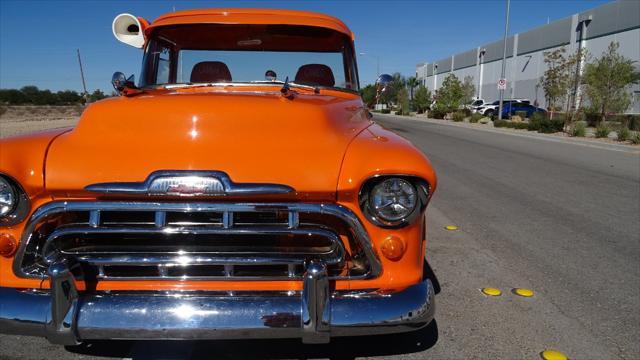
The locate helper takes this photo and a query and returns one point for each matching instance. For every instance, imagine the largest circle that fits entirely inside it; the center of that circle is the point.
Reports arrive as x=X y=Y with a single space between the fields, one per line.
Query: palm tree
x=412 y=83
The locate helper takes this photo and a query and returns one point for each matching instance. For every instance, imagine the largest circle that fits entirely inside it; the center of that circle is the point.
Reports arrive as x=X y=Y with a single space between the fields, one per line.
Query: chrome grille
x=196 y=241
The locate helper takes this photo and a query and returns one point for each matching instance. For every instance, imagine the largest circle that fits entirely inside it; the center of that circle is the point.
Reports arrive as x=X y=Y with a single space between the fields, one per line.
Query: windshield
x=237 y=54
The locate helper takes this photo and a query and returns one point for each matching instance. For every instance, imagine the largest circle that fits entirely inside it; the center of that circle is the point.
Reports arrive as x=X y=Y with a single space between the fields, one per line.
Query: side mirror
x=382 y=83
x=121 y=83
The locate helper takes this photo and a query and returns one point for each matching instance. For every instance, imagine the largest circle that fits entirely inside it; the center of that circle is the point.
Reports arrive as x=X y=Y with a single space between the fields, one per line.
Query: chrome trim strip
x=355 y=226
x=229 y=188
x=203 y=315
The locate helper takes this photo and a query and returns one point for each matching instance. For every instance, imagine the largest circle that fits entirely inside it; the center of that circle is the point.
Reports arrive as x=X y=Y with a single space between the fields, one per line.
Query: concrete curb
x=631 y=149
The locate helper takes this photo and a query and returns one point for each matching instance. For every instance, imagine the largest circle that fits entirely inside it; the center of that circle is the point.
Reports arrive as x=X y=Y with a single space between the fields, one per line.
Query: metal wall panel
x=494 y=50
x=465 y=59
x=444 y=65
x=551 y=35
x=430 y=70
x=612 y=17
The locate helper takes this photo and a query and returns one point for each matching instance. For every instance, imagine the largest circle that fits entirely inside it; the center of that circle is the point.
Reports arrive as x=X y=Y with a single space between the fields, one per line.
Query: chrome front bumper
x=65 y=316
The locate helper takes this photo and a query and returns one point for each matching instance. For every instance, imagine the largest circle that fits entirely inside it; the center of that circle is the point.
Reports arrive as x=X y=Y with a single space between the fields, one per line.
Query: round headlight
x=8 y=197
x=393 y=199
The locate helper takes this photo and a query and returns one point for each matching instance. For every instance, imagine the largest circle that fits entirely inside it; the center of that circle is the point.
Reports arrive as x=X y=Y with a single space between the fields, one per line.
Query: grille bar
x=195 y=222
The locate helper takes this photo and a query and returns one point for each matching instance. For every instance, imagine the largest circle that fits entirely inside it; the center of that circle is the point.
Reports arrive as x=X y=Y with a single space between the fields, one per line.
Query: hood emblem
x=188 y=183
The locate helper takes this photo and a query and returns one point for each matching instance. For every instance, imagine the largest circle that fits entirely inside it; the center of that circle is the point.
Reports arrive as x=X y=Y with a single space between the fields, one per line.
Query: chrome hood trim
x=188 y=183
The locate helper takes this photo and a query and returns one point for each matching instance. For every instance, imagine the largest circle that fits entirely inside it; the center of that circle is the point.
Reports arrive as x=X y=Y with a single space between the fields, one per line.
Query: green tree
x=422 y=99
x=450 y=94
x=68 y=97
x=607 y=82
x=403 y=101
x=97 y=95
x=368 y=94
x=561 y=75
x=555 y=82
x=13 y=97
x=468 y=89
x=31 y=93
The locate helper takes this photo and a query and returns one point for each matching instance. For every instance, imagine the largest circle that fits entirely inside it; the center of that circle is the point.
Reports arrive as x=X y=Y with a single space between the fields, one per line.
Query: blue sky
x=38 y=39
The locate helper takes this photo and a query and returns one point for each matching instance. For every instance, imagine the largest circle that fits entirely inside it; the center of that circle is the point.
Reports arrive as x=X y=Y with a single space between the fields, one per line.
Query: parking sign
x=502 y=84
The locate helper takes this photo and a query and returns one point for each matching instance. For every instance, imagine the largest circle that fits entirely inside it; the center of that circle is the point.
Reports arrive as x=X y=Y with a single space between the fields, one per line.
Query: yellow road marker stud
x=523 y=292
x=451 y=227
x=491 y=291
x=553 y=355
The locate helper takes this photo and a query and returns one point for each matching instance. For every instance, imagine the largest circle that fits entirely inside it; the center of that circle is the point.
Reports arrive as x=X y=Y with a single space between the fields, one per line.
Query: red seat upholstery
x=315 y=74
x=210 y=72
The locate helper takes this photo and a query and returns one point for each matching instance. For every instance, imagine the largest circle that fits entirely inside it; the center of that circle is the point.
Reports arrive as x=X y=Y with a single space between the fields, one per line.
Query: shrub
x=466 y=112
x=541 y=123
x=385 y=111
x=521 y=126
x=500 y=123
x=631 y=121
x=636 y=138
x=602 y=131
x=484 y=120
x=548 y=126
x=458 y=116
x=624 y=134
x=475 y=117
x=536 y=121
x=437 y=113
x=3 y=109
x=579 y=129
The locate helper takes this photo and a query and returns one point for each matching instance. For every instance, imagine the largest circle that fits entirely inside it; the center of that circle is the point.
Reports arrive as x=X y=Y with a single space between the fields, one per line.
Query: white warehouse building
x=592 y=30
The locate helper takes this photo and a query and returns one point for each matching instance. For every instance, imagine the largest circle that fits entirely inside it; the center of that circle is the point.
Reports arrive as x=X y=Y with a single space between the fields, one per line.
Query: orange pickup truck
x=239 y=189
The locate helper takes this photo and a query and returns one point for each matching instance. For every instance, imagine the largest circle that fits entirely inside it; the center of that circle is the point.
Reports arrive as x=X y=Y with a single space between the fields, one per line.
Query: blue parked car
x=509 y=109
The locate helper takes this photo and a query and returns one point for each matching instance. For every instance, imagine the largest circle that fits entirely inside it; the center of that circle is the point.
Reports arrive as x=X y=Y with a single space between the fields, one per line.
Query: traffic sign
x=502 y=84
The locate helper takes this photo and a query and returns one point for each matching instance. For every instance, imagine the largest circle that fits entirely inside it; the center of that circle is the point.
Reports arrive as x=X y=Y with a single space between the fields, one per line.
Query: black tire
x=489 y=113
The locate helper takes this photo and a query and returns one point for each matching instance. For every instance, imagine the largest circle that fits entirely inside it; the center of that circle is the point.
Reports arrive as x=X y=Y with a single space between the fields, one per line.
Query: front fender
x=23 y=157
x=377 y=151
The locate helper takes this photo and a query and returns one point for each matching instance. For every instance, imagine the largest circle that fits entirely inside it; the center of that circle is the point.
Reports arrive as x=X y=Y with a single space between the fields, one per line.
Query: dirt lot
x=16 y=120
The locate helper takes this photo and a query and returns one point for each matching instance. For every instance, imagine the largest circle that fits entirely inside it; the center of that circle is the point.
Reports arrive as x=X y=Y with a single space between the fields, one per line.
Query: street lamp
x=480 y=61
x=377 y=62
x=504 y=58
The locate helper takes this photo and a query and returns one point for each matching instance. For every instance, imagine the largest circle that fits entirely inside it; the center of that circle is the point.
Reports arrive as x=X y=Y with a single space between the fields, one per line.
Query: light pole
x=435 y=77
x=504 y=57
x=377 y=62
x=480 y=61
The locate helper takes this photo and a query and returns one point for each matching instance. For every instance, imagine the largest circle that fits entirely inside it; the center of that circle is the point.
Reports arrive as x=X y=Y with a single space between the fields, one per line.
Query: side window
x=163 y=66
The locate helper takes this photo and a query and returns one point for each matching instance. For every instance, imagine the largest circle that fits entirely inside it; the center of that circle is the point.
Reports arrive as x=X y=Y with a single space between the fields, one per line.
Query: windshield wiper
x=286 y=89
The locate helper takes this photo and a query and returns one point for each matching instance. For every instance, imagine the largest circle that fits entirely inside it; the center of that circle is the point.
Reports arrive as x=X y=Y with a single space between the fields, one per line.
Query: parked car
x=239 y=190
x=474 y=105
x=512 y=108
x=492 y=108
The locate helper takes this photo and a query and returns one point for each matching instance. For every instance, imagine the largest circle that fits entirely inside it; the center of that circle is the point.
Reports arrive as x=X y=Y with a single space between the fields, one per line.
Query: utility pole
x=504 y=57
x=84 y=85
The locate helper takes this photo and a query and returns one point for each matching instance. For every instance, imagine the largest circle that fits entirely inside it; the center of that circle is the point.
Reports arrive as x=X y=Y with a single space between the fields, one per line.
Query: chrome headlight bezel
x=422 y=190
x=20 y=208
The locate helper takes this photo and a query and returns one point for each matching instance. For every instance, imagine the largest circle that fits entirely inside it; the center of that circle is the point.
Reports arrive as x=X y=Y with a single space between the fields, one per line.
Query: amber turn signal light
x=392 y=248
x=7 y=245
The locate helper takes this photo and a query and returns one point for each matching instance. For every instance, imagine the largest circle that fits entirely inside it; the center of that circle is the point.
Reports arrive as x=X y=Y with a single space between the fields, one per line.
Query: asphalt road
x=559 y=218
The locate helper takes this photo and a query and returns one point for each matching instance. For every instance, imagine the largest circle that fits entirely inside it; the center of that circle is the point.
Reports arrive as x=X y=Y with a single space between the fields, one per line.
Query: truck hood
x=254 y=137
